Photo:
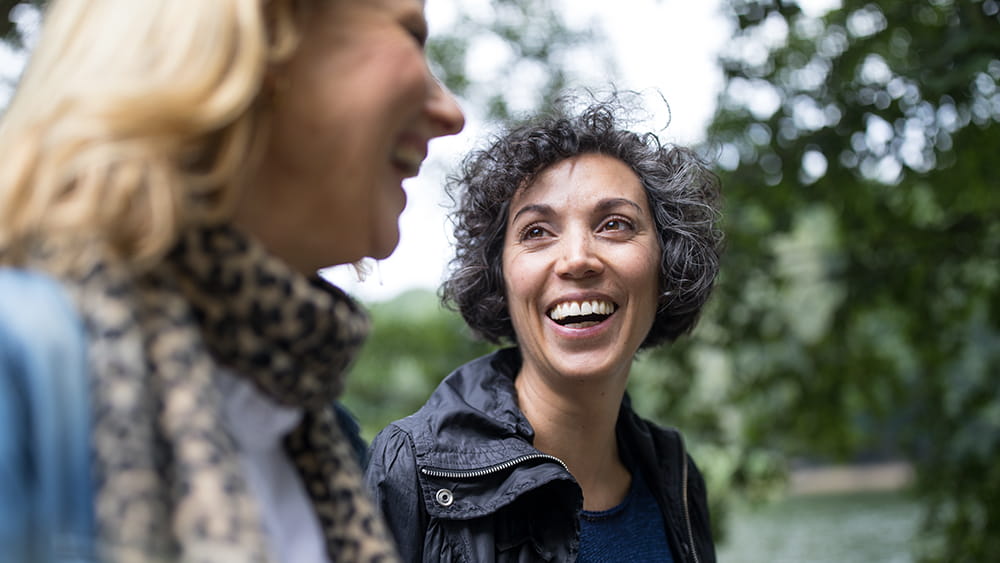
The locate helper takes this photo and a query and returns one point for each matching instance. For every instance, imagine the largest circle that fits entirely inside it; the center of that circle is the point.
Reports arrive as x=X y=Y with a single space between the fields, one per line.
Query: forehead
x=581 y=179
x=347 y=8
x=380 y=4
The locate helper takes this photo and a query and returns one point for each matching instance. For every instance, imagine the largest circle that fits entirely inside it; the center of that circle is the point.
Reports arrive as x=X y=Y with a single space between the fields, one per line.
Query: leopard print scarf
x=169 y=482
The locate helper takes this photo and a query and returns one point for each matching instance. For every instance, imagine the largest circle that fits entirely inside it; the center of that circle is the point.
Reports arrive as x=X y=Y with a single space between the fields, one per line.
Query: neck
x=578 y=426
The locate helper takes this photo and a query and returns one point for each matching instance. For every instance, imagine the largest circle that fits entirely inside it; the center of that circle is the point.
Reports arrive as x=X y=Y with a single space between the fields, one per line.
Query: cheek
x=651 y=266
x=513 y=292
x=645 y=279
x=516 y=280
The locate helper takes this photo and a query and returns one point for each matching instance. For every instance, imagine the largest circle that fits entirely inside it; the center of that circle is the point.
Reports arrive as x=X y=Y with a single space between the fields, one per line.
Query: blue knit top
x=633 y=531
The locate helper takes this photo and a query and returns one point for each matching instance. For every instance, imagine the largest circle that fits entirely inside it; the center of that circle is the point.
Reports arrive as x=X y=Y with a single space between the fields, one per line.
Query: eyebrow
x=603 y=205
x=538 y=208
x=611 y=203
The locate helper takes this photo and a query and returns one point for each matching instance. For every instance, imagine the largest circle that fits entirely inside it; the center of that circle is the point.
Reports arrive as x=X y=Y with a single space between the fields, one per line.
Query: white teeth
x=579 y=309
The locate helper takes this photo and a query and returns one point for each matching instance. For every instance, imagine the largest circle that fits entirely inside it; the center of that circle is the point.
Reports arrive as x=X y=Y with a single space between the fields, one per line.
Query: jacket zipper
x=687 y=511
x=476 y=473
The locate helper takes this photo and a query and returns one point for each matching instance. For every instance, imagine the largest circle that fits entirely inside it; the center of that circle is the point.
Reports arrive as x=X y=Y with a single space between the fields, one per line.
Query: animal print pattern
x=169 y=483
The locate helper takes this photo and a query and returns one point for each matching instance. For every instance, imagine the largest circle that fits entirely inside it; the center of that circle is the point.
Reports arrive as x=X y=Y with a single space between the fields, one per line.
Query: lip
x=590 y=331
x=408 y=153
x=580 y=296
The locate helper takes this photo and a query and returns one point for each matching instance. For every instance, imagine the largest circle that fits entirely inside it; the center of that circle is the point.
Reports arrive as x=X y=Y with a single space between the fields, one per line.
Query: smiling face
x=580 y=264
x=352 y=113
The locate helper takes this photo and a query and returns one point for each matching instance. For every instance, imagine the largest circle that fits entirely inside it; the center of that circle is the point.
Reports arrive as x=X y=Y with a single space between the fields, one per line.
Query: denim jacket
x=46 y=511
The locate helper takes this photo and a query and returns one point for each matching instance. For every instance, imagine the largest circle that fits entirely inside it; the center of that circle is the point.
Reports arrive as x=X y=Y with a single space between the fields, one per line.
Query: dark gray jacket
x=460 y=481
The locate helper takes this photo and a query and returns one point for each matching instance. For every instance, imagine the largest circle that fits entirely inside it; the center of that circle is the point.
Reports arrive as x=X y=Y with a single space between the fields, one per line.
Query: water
x=869 y=527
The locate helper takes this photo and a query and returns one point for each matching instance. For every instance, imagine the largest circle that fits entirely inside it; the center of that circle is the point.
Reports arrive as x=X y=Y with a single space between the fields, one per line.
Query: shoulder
x=42 y=341
x=391 y=442
x=32 y=300
x=44 y=414
x=39 y=326
x=392 y=461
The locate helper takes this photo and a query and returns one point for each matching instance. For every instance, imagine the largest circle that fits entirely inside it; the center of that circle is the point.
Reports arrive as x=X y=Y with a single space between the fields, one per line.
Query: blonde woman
x=173 y=173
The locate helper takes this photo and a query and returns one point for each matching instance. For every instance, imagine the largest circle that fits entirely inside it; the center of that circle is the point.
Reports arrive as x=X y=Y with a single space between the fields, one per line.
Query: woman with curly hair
x=578 y=244
x=173 y=174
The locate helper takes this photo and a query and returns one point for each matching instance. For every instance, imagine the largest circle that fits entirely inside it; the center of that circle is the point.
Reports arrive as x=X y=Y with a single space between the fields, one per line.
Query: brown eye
x=617 y=224
x=532 y=232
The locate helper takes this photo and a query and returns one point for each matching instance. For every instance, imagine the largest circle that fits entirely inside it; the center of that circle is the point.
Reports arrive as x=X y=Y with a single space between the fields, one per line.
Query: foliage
x=859 y=305
x=509 y=58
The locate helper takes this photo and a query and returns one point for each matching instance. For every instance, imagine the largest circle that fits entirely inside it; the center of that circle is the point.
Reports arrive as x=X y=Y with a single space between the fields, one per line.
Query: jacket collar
x=493 y=430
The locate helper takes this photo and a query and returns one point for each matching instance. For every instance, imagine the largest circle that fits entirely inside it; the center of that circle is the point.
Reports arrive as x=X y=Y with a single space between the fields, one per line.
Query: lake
x=845 y=527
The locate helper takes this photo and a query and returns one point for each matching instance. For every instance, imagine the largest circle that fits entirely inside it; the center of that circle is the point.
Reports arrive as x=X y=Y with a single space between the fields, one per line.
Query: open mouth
x=407 y=159
x=581 y=314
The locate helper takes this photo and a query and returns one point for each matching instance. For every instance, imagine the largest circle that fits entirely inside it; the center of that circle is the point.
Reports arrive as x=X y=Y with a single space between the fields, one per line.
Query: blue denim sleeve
x=45 y=474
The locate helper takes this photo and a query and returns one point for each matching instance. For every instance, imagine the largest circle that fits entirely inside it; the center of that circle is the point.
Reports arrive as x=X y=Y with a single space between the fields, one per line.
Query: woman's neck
x=578 y=426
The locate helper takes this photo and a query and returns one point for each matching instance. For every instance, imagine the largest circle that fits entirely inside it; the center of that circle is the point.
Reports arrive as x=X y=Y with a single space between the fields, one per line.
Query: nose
x=578 y=258
x=443 y=110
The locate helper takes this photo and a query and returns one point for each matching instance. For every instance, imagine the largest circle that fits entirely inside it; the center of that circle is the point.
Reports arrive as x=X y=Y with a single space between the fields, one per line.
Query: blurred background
x=842 y=391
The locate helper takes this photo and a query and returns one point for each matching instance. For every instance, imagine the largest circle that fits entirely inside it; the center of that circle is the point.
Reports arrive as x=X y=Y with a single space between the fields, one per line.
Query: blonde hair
x=134 y=119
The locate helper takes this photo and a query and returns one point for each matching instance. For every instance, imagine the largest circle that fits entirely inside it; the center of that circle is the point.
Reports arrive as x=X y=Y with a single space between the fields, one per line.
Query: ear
x=283 y=21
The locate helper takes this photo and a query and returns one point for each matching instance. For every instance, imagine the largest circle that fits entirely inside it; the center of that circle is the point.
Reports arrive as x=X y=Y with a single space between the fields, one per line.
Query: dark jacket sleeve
x=352 y=431
x=391 y=478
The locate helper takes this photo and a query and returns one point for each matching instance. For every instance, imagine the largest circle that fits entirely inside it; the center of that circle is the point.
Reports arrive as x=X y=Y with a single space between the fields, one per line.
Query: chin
x=385 y=250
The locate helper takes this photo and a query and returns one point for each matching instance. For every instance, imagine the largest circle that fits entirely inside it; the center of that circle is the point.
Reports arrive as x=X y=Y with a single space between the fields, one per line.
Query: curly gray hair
x=684 y=196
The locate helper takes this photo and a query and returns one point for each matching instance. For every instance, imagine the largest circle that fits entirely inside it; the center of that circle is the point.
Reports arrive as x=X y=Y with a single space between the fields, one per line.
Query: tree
x=529 y=66
x=860 y=300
